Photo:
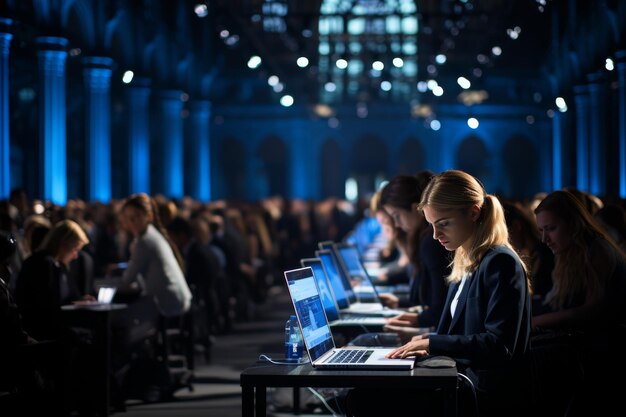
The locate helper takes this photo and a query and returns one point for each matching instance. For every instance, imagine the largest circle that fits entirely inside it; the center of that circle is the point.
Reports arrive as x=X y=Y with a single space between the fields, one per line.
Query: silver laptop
x=330 y=306
x=348 y=299
x=317 y=335
x=106 y=294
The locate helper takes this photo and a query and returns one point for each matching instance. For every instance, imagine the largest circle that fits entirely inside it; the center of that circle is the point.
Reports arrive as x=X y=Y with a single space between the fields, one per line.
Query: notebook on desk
x=317 y=335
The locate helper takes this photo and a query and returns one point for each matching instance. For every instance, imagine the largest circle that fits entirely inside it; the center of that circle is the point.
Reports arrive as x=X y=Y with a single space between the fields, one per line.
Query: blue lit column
x=52 y=55
x=582 y=137
x=621 y=71
x=200 y=151
x=557 y=151
x=138 y=97
x=5 y=160
x=97 y=75
x=171 y=141
x=597 y=134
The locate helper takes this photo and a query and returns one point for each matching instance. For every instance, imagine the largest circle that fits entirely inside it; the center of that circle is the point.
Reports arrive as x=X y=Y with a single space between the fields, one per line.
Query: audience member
x=429 y=261
x=485 y=326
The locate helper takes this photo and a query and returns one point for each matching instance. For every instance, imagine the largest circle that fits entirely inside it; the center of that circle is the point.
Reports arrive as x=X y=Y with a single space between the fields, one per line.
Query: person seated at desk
x=429 y=261
x=44 y=284
x=30 y=371
x=485 y=325
x=589 y=293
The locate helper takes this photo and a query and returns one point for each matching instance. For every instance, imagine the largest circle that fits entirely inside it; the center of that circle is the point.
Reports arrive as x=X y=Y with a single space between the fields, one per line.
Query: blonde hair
x=457 y=190
x=64 y=235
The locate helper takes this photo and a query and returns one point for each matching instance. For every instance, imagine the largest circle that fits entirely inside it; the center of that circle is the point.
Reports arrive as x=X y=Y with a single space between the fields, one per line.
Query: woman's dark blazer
x=489 y=335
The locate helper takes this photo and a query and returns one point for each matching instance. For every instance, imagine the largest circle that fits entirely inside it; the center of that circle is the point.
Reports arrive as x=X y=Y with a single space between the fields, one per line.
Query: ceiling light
x=127 y=77
x=464 y=83
x=286 y=101
x=472 y=122
x=254 y=62
x=201 y=10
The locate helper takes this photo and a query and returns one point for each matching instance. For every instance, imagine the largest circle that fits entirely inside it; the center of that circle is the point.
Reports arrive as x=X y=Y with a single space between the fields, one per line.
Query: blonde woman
x=44 y=283
x=485 y=324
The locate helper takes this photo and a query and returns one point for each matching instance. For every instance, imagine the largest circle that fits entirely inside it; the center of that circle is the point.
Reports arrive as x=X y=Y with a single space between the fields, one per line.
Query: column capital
x=102 y=62
x=581 y=90
x=140 y=82
x=620 y=57
x=200 y=105
x=598 y=77
x=52 y=43
x=6 y=25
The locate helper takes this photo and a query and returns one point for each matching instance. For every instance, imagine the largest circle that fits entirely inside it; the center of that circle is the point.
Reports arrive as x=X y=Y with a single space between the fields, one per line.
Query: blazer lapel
x=460 y=305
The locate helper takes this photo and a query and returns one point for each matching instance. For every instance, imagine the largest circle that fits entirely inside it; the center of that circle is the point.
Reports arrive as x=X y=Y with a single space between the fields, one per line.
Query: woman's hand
x=389 y=300
x=403 y=320
x=418 y=346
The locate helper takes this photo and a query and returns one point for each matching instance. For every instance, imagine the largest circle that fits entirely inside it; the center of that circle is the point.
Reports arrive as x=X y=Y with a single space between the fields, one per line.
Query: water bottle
x=293 y=340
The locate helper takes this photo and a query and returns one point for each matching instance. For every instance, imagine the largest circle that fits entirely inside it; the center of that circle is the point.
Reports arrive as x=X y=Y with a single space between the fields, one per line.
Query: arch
x=522 y=167
x=370 y=158
x=472 y=156
x=274 y=156
x=332 y=175
x=79 y=20
x=411 y=157
x=232 y=168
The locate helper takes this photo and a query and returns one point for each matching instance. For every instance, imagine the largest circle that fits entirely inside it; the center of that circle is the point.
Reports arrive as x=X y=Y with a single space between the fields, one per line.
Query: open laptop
x=106 y=294
x=317 y=335
x=333 y=315
x=347 y=301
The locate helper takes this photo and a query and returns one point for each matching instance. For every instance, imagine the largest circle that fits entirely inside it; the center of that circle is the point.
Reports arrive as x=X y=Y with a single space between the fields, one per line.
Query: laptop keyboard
x=350 y=356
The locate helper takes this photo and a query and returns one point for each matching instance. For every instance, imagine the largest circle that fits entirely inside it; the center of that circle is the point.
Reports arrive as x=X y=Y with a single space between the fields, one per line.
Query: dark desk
x=97 y=317
x=255 y=379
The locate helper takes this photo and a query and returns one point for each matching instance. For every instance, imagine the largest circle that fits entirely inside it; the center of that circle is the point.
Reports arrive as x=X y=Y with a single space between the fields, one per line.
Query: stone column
x=582 y=137
x=5 y=138
x=97 y=75
x=138 y=98
x=171 y=142
x=597 y=134
x=557 y=151
x=199 y=170
x=52 y=55
x=621 y=72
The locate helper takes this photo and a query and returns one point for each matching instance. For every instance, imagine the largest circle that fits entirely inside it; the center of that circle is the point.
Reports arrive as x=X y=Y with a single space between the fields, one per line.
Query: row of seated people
x=573 y=246
x=198 y=265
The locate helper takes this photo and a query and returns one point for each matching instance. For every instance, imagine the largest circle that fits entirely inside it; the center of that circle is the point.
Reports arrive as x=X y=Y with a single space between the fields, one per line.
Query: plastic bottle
x=293 y=340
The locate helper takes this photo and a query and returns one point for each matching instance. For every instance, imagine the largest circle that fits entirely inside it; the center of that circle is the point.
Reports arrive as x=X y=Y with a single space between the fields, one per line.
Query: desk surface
x=93 y=307
x=271 y=375
x=255 y=379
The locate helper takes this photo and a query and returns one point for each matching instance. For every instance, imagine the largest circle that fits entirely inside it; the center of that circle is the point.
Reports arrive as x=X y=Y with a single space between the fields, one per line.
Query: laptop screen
x=350 y=256
x=344 y=279
x=106 y=294
x=325 y=291
x=308 y=306
x=333 y=277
